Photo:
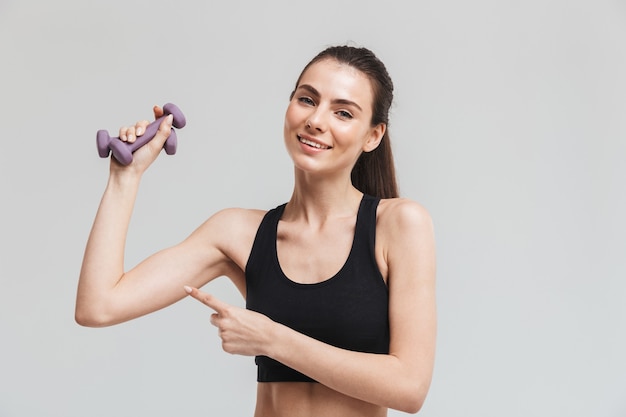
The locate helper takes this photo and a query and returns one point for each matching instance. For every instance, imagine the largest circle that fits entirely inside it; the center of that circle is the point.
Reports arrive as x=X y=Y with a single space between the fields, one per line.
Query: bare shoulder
x=230 y=232
x=232 y=225
x=399 y=215
x=405 y=234
x=243 y=218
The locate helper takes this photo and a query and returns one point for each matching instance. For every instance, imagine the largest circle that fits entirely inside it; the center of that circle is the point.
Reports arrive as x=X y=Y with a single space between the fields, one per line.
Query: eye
x=306 y=100
x=344 y=114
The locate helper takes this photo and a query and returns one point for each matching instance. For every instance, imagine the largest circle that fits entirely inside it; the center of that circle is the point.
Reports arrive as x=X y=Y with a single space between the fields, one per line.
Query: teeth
x=311 y=143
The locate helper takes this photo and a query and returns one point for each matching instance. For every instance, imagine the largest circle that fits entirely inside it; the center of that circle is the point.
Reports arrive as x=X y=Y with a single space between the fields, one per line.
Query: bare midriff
x=306 y=399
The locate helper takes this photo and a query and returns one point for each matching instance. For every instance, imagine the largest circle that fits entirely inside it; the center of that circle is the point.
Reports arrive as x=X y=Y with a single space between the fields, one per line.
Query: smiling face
x=328 y=120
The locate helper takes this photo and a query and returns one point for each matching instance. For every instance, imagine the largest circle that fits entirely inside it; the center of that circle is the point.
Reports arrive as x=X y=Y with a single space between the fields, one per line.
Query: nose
x=317 y=120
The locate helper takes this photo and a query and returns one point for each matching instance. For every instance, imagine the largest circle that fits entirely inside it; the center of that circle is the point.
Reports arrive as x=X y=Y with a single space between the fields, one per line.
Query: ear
x=376 y=135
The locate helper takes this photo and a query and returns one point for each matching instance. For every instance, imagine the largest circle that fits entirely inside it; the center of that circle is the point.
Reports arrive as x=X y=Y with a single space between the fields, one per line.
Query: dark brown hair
x=374 y=172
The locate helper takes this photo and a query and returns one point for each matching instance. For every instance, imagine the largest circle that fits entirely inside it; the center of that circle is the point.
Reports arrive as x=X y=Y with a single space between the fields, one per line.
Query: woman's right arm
x=107 y=294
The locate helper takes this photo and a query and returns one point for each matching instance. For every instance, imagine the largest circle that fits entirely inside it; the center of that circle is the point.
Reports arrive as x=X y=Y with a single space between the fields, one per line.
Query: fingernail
x=170 y=118
x=139 y=131
x=187 y=289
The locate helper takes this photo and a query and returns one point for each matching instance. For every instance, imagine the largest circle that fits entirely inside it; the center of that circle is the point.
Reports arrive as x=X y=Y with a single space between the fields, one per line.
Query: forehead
x=339 y=81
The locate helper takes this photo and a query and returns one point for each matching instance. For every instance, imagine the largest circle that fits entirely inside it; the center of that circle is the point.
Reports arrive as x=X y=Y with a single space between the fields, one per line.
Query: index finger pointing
x=207 y=299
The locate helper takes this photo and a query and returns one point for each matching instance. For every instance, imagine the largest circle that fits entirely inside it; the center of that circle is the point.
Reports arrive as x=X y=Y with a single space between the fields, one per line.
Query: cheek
x=289 y=122
x=291 y=115
x=349 y=136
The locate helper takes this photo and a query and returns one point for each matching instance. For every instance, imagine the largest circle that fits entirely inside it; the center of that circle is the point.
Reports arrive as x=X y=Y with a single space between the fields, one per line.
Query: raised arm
x=106 y=293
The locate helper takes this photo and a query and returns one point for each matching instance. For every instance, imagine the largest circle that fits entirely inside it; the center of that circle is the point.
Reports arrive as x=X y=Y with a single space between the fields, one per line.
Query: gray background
x=508 y=126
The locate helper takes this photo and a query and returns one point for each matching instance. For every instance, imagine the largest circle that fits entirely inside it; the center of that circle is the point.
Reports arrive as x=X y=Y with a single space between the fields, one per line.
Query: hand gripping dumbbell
x=123 y=151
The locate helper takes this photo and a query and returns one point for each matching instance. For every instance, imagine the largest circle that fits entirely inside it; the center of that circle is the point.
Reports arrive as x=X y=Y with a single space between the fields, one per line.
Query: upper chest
x=313 y=254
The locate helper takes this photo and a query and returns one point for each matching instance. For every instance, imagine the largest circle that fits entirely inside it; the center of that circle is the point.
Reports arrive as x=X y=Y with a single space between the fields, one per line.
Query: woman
x=339 y=281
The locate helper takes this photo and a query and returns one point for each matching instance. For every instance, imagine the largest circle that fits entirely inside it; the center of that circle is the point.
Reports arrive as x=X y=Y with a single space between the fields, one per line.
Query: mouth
x=312 y=143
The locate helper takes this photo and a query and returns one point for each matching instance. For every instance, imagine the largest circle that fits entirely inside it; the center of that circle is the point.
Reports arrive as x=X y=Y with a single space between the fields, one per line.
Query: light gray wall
x=509 y=126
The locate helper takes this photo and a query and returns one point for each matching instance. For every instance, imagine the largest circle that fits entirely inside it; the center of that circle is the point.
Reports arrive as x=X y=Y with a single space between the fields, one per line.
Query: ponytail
x=374 y=172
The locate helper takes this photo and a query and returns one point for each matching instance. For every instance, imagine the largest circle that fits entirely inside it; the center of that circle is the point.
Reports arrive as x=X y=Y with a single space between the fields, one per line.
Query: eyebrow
x=316 y=93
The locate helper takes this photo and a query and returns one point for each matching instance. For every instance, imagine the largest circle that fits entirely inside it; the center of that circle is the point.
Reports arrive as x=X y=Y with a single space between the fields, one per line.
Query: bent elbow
x=413 y=399
x=88 y=320
x=413 y=405
x=85 y=320
x=90 y=317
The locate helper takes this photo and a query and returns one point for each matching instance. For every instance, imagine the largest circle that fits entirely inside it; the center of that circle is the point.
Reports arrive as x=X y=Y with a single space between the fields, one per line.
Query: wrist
x=277 y=336
x=123 y=180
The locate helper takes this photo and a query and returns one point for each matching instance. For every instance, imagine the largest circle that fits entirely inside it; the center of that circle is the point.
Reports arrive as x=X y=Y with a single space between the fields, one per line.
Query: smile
x=312 y=143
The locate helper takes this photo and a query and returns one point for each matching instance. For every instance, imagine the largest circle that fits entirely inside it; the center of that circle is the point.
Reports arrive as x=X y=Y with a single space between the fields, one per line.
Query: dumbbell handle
x=123 y=151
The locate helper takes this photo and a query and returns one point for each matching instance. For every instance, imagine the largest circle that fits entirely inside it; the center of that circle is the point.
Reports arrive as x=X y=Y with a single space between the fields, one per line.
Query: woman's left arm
x=399 y=380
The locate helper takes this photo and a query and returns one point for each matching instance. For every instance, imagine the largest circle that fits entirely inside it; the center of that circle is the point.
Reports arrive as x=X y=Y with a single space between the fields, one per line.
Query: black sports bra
x=348 y=310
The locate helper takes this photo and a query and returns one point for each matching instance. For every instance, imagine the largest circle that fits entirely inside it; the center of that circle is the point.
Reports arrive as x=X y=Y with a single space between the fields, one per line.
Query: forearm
x=382 y=379
x=103 y=262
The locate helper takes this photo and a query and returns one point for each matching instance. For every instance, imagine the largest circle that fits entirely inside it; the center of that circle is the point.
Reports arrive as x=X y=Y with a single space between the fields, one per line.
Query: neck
x=316 y=198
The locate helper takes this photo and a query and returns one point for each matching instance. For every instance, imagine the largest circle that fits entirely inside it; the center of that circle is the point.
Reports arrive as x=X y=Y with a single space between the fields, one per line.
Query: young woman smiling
x=339 y=281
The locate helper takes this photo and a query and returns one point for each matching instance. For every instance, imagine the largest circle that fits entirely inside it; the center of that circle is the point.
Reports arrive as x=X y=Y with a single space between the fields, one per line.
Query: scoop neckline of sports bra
x=333 y=277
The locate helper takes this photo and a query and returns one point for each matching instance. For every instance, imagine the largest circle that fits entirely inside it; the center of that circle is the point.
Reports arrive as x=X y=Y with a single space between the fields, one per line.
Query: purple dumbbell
x=123 y=151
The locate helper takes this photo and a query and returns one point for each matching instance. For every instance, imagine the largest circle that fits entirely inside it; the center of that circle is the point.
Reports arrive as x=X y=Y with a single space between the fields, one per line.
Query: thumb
x=158 y=112
x=164 y=131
